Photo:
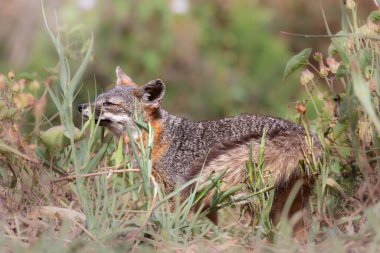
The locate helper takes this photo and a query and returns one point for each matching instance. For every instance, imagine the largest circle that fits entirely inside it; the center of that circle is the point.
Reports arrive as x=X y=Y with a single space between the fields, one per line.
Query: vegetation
x=69 y=189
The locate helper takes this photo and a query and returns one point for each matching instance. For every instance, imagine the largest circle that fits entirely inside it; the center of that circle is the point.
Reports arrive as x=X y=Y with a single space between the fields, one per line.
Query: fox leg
x=213 y=217
x=298 y=205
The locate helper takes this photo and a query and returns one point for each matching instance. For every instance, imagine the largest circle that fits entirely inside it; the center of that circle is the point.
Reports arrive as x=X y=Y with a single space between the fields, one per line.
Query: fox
x=185 y=149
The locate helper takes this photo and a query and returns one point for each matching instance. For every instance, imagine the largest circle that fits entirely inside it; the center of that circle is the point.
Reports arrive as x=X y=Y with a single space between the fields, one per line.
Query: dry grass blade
x=53 y=211
x=6 y=148
x=88 y=232
x=110 y=172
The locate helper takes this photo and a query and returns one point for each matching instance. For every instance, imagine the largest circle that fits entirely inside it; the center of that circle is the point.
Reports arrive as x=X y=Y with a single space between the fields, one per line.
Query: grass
x=65 y=189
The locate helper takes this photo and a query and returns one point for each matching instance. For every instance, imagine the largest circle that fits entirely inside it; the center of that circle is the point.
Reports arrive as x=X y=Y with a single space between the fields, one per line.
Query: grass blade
x=363 y=94
x=79 y=74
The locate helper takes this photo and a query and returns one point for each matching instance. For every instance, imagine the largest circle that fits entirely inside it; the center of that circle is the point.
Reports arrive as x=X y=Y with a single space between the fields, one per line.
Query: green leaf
x=96 y=160
x=332 y=50
x=60 y=50
x=336 y=168
x=26 y=75
x=56 y=101
x=47 y=26
x=365 y=58
x=339 y=44
x=63 y=73
x=142 y=124
x=231 y=191
x=79 y=74
x=345 y=19
x=297 y=61
x=339 y=129
x=119 y=157
x=55 y=138
x=342 y=71
x=209 y=185
x=375 y=15
x=362 y=92
x=250 y=167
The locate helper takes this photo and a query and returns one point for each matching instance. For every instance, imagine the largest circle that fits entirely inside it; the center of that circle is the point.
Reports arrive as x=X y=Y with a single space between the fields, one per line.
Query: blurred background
x=218 y=58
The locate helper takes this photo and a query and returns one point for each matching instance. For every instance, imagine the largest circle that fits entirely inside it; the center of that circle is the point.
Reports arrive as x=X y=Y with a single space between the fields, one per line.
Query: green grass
x=65 y=189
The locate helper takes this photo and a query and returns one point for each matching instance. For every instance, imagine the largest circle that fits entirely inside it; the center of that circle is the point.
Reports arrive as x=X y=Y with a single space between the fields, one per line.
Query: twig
x=72 y=177
x=6 y=148
x=86 y=231
x=347 y=35
x=316 y=35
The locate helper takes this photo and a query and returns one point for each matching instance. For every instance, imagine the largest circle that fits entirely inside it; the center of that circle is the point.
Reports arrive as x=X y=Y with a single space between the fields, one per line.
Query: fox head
x=114 y=108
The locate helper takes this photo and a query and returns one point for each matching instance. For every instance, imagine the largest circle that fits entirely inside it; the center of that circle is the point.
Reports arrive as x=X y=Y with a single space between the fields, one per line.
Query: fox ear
x=122 y=78
x=151 y=93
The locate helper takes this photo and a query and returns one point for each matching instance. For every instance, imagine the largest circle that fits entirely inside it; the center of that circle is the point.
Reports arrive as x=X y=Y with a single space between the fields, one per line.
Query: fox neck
x=155 y=117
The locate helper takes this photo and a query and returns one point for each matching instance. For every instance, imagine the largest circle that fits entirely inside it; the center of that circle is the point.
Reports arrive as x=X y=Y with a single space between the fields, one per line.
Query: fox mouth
x=83 y=109
x=102 y=122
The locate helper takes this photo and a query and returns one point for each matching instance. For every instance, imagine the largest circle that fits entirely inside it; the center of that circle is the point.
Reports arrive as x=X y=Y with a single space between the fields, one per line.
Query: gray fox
x=183 y=148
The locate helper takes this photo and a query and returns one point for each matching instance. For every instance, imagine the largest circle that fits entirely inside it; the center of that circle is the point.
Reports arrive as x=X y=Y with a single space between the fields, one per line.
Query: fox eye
x=107 y=103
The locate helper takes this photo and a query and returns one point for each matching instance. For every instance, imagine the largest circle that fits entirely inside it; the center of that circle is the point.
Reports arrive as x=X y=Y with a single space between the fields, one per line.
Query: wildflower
x=320 y=96
x=23 y=100
x=16 y=87
x=11 y=75
x=350 y=4
x=35 y=85
x=369 y=29
x=22 y=83
x=306 y=77
x=333 y=64
x=323 y=70
x=301 y=108
x=318 y=56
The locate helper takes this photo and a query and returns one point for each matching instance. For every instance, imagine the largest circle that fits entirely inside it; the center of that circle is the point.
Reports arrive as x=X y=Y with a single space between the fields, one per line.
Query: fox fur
x=184 y=149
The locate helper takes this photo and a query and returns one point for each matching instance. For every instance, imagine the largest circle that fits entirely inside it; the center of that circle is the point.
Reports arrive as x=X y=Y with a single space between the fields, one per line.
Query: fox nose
x=81 y=107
